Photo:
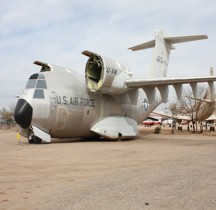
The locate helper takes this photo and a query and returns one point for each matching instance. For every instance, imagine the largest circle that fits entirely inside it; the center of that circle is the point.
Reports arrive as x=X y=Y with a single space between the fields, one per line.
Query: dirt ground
x=154 y=171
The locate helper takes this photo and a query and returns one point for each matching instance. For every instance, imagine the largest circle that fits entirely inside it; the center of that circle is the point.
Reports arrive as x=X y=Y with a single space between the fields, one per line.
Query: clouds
x=57 y=31
x=23 y=16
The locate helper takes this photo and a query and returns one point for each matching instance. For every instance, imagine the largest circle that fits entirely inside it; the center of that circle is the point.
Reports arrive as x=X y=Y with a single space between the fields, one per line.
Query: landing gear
x=37 y=140
x=34 y=140
x=119 y=136
x=31 y=141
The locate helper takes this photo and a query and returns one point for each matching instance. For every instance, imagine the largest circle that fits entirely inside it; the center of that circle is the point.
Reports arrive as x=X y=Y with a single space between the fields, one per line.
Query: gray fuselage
x=64 y=107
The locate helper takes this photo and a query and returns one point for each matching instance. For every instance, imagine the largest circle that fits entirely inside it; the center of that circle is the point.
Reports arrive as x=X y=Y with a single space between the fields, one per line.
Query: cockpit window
x=38 y=93
x=33 y=76
x=31 y=83
x=36 y=78
x=37 y=82
x=41 y=84
x=41 y=76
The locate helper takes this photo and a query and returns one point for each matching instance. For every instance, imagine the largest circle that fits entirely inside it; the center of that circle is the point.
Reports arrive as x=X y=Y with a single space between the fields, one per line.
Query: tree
x=6 y=116
x=173 y=108
x=196 y=108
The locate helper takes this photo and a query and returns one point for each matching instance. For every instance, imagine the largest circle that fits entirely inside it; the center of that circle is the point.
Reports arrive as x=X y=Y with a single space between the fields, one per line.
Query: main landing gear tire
x=37 y=140
x=31 y=141
x=34 y=140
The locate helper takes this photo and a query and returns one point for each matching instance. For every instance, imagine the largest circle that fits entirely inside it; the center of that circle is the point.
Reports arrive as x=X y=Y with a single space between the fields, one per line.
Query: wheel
x=30 y=139
x=37 y=140
x=119 y=137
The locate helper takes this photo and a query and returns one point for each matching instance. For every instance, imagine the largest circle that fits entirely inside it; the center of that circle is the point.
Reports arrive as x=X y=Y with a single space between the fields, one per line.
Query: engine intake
x=105 y=75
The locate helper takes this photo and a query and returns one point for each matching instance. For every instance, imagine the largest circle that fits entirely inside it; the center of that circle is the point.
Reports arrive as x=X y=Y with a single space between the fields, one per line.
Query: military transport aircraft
x=109 y=103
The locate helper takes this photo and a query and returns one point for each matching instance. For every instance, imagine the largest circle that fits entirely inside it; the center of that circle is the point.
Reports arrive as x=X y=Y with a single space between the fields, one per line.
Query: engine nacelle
x=105 y=75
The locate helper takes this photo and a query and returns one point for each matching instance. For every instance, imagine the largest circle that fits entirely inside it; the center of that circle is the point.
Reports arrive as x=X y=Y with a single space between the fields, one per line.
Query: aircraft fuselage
x=63 y=106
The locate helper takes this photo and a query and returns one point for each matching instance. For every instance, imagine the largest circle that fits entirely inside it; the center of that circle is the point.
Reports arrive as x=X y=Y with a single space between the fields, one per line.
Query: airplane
x=58 y=103
x=201 y=110
x=150 y=122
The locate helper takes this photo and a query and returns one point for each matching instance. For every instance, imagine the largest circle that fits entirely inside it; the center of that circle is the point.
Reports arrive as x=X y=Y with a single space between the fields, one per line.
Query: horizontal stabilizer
x=169 y=40
x=180 y=39
x=116 y=127
x=143 y=46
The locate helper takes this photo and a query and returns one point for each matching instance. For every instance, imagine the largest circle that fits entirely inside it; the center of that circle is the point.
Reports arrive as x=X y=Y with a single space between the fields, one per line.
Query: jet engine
x=105 y=75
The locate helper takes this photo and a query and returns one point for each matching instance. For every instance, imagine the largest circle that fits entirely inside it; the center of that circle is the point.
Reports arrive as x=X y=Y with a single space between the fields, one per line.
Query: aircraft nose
x=23 y=113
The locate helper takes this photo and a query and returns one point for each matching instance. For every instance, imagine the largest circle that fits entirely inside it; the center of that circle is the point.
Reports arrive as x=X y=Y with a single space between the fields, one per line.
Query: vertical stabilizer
x=163 y=45
x=161 y=54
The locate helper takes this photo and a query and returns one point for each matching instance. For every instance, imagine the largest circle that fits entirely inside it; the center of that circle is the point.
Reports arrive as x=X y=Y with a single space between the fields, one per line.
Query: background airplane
x=199 y=109
x=110 y=103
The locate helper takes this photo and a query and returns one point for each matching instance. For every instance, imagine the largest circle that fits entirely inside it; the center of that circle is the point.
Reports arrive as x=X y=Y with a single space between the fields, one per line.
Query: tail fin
x=163 y=45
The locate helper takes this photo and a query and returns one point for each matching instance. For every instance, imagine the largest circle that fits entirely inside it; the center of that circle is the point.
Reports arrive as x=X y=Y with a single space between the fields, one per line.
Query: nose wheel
x=34 y=140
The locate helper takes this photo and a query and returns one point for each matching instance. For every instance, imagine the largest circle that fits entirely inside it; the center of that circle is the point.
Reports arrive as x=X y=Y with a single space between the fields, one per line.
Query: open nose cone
x=23 y=113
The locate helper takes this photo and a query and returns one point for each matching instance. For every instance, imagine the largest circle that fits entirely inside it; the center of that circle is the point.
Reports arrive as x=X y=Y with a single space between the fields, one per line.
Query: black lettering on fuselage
x=90 y=102
x=75 y=101
x=58 y=99
x=111 y=70
x=64 y=100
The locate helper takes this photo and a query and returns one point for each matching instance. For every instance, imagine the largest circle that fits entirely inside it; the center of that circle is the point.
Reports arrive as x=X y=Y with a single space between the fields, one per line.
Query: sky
x=57 y=31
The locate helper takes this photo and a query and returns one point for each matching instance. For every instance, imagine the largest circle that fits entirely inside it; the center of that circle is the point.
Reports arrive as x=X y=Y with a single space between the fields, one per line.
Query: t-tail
x=163 y=45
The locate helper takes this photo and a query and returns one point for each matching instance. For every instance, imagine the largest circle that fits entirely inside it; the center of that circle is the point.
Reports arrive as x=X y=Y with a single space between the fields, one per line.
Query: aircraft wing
x=181 y=117
x=140 y=83
x=162 y=84
x=212 y=117
x=178 y=116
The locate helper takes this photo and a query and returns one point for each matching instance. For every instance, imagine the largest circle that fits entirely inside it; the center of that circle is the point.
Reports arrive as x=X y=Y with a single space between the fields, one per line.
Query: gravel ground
x=152 y=172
